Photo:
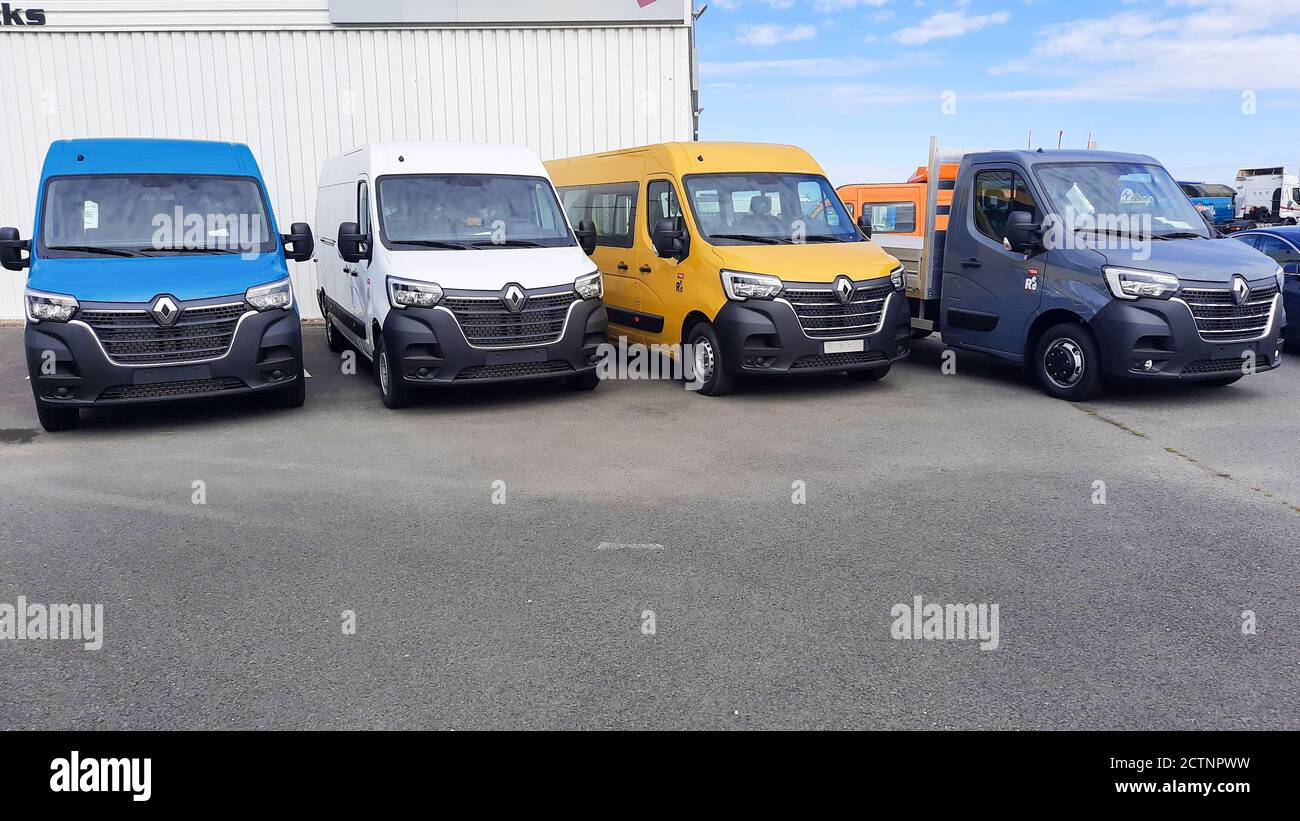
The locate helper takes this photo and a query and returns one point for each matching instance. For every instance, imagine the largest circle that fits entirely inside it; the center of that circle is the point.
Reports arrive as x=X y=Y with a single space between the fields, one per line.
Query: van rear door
x=990 y=293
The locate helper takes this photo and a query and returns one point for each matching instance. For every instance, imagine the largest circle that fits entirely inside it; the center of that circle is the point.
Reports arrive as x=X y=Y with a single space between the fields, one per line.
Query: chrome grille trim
x=822 y=316
x=485 y=321
x=131 y=337
x=1219 y=318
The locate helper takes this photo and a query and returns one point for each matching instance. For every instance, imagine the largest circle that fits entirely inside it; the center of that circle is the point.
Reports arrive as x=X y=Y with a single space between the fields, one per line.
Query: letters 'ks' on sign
x=14 y=16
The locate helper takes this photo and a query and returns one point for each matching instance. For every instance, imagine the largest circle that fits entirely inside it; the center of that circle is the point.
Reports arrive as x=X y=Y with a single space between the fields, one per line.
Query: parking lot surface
x=647 y=565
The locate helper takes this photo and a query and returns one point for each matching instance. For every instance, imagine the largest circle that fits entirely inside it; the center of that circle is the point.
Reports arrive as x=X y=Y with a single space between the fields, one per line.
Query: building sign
x=490 y=12
x=11 y=15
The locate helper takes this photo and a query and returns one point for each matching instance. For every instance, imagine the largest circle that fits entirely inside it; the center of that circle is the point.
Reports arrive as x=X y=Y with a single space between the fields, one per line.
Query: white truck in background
x=1268 y=196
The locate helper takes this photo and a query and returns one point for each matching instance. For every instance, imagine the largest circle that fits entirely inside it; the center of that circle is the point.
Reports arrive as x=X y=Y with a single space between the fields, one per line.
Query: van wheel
x=1067 y=363
x=333 y=338
x=55 y=419
x=871 y=375
x=392 y=389
x=707 y=361
x=584 y=382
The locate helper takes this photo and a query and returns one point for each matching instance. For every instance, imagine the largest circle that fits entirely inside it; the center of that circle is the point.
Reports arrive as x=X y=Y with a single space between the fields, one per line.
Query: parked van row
x=156 y=270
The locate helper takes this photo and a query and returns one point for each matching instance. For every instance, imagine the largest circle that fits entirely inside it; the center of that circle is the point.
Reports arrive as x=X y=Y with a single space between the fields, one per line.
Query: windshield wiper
x=751 y=238
x=508 y=243
x=174 y=250
x=824 y=238
x=433 y=243
x=93 y=249
x=1111 y=232
x=1179 y=235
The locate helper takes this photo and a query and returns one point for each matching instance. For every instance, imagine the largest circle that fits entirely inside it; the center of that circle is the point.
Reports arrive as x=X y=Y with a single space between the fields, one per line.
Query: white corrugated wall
x=299 y=97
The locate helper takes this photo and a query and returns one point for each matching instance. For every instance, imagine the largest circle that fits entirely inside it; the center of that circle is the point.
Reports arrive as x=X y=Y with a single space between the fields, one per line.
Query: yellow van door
x=662 y=280
x=611 y=208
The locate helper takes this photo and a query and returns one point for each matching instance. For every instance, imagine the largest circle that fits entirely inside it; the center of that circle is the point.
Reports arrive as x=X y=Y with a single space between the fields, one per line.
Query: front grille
x=487 y=323
x=516 y=369
x=823 y=316
x=134 y=338
x=164 y=390
x=837 y=360
x=1220 y=319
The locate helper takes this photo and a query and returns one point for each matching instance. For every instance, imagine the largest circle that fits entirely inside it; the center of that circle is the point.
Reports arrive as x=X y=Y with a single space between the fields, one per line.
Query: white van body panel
x=488 y=270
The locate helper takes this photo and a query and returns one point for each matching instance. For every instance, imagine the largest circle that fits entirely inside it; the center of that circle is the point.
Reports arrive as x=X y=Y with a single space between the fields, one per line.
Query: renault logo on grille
x=514 y=298
x=843 y=289
x=1240 y=290
x=164 y=311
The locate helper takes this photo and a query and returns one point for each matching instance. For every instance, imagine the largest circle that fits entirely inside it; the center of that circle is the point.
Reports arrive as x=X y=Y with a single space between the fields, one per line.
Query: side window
x=891 y=217
x=610 y=208
x=661 y=203
x=850 y=208
x=813 y=204
x=997 y=195
x=1250 y=239
x=1278 y=250
x=363 y=207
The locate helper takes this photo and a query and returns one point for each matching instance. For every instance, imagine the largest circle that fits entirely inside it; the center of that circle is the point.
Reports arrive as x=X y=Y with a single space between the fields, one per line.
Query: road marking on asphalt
x=306 y=373
x=629 y=546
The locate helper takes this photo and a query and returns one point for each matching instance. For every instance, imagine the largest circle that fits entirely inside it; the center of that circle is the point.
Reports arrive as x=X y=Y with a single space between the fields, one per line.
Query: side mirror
x=11 y=250
x=586 y=235
x=1022 y=233
x=864 y=225
x=299 y=244
x=353 y=245
x=671 y=239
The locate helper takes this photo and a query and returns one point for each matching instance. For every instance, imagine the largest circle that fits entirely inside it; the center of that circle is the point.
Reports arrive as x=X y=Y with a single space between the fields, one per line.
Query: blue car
x=1283 y=245
x=155 y=272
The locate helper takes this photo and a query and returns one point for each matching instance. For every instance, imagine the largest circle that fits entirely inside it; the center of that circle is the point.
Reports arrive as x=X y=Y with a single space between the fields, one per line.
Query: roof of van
x=712 y=157
x=429 y=157
x=1037 y=157
x=141 y=156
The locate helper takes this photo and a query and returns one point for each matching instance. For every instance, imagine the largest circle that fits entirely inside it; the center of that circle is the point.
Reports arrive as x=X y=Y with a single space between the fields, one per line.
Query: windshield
x=450 y=211
x=1140 y=200
x=768 y=209
x=153 y=215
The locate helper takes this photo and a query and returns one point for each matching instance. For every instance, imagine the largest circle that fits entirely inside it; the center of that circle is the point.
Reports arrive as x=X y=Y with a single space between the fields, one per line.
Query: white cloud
x=769 y=34
x=948 y=24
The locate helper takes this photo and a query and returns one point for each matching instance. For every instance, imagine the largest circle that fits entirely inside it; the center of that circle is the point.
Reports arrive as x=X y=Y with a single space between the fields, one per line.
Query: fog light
x=62 y=393
x=422 y=373
x=277 y=374
x=1146 y=366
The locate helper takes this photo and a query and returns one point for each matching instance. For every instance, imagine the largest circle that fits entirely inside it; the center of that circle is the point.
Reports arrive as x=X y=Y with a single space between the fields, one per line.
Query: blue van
x=156 y=272
x=1217 y=202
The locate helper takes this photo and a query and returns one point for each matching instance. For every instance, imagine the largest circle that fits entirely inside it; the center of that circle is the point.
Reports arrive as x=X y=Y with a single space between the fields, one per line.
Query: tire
x=584 y=382
x=1067 y=363
x=334 y=339
x=708 y=361
x=872 y=375
x=55 y=419
x=1222 y=383
x=919 y=333
x=394 y=391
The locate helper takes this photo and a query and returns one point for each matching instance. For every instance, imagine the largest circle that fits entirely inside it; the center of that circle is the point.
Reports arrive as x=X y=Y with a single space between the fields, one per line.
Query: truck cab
x=155 y=272
x=1086 y=266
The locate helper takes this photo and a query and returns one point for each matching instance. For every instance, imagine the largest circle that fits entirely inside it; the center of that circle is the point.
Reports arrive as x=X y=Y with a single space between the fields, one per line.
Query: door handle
x=645 y=269
x=622 y=266
x=971 y=263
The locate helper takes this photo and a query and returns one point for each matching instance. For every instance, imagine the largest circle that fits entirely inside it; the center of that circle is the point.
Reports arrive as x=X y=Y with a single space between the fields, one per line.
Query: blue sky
x=1205 y=86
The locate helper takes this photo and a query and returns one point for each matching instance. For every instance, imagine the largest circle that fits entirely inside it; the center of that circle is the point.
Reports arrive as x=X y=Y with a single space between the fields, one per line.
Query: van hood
x=488 y=269
x=811 y=262
x=1197 y=260
x=140 y=279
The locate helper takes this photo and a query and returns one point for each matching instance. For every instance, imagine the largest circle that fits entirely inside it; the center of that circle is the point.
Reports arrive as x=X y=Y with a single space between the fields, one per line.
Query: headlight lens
x=590 y=286
x=405 y=293
x=272 y=296
x=896 y=276
x=741 y=286
x=43 y=307
x=1128 y=283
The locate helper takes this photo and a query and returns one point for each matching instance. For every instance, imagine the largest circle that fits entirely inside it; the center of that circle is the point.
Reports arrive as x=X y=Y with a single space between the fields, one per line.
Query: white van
x=452 y=263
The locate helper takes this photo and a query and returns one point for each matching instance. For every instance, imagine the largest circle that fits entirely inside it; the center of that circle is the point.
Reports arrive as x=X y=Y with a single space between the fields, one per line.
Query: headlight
x=741 y=286
x=272 y=296
x=589 y=286
x=1127 y=283
x=405 y=293
x=896 y=276
x=43 y=307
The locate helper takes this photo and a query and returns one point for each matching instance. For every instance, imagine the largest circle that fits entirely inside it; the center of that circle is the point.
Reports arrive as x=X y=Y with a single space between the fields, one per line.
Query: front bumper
x=1130 y=333
x=432 y=350
x=68 y=366
x=766 y=337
